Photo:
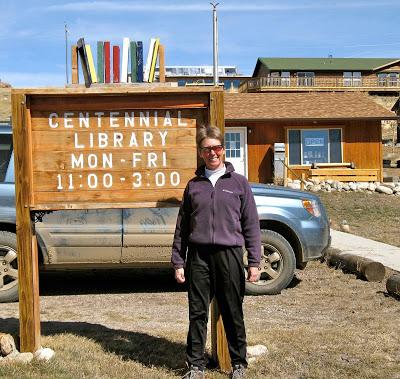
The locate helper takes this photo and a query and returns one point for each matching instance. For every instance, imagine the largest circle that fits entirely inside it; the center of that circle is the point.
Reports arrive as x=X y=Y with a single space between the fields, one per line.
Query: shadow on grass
x=55 y=283
x=140 y=347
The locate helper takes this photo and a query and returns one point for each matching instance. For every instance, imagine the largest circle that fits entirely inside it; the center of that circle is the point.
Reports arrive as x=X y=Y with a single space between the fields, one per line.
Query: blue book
x=133 y=62
x=139 y=59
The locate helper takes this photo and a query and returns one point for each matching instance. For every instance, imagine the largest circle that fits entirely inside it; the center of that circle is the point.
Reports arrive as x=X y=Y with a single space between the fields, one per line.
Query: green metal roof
x=323 y=64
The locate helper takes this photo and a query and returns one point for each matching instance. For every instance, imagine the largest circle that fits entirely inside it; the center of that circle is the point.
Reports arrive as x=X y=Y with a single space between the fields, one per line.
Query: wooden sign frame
x=27 y=104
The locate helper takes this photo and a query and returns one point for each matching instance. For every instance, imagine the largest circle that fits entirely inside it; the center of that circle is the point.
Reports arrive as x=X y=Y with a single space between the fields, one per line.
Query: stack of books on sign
x=129 y=69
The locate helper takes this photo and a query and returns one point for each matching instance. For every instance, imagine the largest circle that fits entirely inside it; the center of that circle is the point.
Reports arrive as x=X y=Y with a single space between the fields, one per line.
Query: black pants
x=215 y=270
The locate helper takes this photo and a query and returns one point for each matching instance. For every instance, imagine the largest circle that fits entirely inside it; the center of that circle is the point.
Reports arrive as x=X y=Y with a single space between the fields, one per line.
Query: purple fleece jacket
x=222 y=215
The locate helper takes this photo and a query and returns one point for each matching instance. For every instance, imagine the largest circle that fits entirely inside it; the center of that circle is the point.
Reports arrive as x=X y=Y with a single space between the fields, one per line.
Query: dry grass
x=328 y=325
x=371 y=215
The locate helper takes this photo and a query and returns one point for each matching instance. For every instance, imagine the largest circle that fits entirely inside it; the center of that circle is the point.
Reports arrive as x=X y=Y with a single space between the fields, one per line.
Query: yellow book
x=154 y=60
x=92 y=69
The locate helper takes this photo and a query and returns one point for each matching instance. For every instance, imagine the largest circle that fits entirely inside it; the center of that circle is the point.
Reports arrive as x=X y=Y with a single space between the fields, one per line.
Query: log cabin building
x=339 y=133
x=372 y=75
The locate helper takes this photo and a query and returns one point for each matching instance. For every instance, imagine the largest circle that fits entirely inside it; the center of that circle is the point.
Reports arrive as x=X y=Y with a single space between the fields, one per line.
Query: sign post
x=102 y=147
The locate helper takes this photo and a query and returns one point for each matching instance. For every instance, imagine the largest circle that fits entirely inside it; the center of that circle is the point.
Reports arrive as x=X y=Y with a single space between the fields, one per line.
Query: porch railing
x=319 y=82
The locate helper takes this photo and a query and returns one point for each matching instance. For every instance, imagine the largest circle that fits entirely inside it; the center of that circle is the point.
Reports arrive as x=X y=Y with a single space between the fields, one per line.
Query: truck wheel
x=8 y=267
x=277 y=266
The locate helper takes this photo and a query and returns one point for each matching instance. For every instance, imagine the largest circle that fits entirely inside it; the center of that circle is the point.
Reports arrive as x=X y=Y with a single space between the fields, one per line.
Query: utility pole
x=215 y=43
x=66 y=52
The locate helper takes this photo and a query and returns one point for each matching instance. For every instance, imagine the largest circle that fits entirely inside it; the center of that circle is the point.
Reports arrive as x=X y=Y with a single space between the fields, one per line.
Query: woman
x=217 y=217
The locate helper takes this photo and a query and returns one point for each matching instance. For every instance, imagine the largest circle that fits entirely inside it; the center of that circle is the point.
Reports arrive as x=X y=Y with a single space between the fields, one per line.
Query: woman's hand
x=252 y=274
x=180 y=275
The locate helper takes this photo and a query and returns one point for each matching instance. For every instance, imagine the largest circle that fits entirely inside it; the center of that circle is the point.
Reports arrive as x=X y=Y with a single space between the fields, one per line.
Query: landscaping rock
x=353 y=186
x=372 y=187
x=384 y=189
x=315 y=188
x=363 y=186
x=7 y=344
x=390 y=185
x=256 y=351
x=346 y=187
x=44 y=354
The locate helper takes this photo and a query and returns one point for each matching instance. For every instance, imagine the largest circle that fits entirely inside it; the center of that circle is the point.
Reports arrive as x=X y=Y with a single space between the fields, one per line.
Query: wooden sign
x=105 y=147
x=121 y=150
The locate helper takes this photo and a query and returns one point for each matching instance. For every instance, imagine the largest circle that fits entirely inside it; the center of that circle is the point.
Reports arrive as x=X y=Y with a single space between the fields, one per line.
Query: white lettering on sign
x=139 y=141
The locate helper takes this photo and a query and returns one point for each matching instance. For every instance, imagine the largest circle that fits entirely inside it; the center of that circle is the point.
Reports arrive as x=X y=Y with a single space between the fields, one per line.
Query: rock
x=251 y=360
x=389 y=185
x=330 y=182
x=328 y=188
x=23 y=358
x=339 y=186
x=383 y=189
x=315 y=188
x=344 y=226
x=346 y=187
x=294 y=185
x=353 y=186
x=363 y=185
x=44 y=354
x=256 y=351
x=315 y=181
x=371 y=187
x=7 y=344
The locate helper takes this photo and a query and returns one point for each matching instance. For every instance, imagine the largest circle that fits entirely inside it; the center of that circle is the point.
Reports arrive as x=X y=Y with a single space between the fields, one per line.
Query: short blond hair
x=208 y=131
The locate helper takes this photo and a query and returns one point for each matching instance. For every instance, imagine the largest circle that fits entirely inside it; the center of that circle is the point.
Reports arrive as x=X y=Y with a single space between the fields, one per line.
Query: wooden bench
x=344 y=174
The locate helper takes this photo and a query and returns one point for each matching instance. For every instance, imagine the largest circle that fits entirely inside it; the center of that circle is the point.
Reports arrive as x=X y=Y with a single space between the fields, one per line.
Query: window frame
x=301 y=129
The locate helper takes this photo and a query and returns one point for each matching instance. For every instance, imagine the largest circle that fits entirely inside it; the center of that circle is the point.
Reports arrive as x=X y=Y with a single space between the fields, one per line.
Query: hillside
x=5 y=103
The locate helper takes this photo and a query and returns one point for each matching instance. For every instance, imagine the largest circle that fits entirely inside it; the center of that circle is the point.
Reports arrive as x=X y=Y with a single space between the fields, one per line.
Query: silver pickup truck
x=294 y=229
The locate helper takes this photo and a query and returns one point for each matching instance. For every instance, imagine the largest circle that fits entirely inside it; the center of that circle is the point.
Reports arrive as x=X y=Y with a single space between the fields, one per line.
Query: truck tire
x=8 y=267
x=277 y=267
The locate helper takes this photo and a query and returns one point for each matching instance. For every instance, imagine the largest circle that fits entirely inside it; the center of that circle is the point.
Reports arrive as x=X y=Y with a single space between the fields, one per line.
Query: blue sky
x=32 y=45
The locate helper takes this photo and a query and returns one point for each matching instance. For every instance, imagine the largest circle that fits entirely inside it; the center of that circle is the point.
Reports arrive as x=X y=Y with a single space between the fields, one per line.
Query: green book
x=100 y=61
x=134 y=67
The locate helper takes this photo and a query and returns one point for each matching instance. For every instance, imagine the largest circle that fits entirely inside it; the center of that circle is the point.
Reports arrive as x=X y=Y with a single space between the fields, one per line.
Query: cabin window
x=285 y=78
x=352 y=78
x=388 y=79
x=305 y=79
x=307 y=146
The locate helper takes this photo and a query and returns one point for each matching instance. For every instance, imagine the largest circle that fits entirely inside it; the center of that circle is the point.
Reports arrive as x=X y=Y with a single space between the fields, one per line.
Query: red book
x=107 y=65
x=116 y=64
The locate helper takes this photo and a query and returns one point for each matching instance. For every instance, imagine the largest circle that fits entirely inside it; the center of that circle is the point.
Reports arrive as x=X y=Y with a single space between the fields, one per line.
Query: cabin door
x=236 y=148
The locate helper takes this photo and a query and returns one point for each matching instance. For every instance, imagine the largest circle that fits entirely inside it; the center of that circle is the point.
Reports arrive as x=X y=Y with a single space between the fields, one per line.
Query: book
x=116 y=55
x=134 y=68
x=146 y=75
x=84 y=61
x=124 y=64
x=92 y=69
x=154 y=60
x=100 y=61
x=139 y=60
x=107 y=62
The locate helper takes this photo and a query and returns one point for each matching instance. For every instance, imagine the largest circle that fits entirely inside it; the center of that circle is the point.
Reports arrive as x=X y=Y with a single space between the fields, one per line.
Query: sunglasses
x=217 y=149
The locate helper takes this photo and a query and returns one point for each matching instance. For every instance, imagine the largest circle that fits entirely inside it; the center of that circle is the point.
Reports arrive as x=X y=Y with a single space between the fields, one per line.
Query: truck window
x=5 y=154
